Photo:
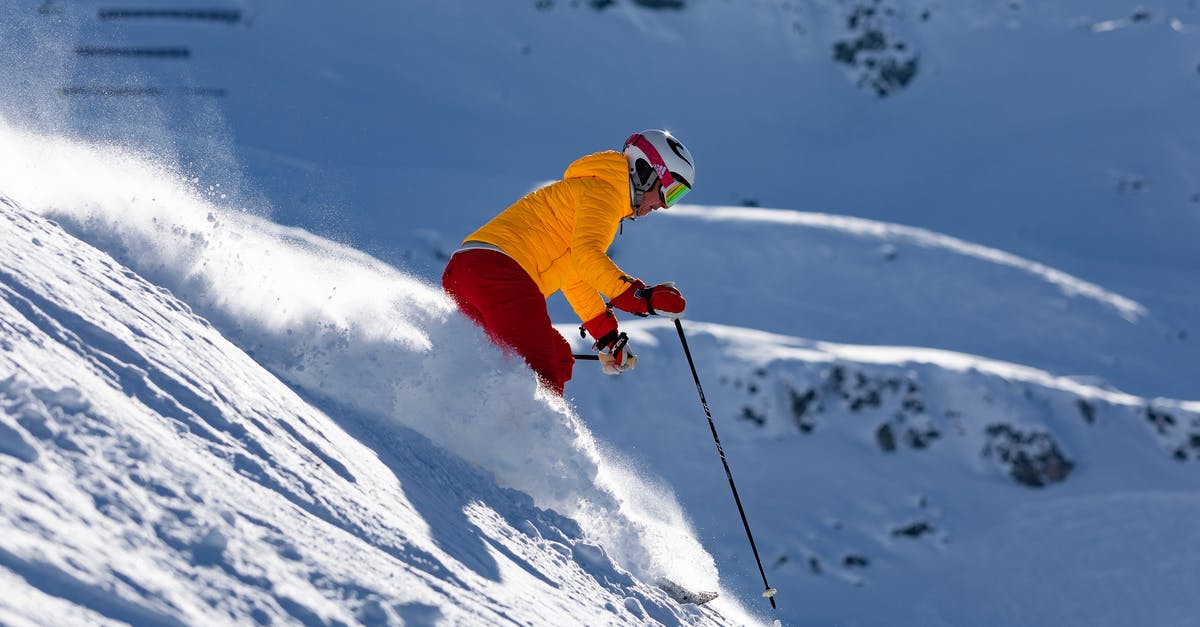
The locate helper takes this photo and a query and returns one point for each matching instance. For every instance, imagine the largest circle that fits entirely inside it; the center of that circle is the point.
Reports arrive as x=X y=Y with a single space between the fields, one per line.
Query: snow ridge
x=1069 y=285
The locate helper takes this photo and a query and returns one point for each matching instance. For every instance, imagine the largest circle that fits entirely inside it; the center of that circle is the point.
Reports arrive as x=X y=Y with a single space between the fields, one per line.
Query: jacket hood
x=609 y=165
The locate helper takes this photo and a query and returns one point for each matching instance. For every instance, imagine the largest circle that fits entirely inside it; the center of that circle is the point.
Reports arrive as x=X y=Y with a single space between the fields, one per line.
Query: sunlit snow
x=945 y=322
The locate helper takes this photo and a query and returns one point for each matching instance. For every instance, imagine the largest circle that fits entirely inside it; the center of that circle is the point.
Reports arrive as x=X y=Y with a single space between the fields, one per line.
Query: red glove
x=640 y=300
x=612 y=345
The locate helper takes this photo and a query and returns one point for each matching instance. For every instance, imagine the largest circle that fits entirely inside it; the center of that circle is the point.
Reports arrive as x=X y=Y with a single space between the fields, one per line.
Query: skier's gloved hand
x=611 y=345
x=619 y=362
x=640 y=300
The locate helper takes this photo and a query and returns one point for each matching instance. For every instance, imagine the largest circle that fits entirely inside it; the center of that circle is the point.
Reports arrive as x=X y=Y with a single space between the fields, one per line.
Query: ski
x=682 y=595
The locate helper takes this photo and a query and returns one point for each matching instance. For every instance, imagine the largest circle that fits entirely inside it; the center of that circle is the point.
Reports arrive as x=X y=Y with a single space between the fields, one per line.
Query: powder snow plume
x=354 y=335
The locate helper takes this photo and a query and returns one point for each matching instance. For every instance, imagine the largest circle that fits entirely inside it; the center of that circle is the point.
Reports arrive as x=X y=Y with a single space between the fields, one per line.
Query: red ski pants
x=498 y=295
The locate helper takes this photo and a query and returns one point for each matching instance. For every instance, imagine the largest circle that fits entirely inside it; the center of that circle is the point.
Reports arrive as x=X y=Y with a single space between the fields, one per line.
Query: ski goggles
x=673 y=192
x=670 y=188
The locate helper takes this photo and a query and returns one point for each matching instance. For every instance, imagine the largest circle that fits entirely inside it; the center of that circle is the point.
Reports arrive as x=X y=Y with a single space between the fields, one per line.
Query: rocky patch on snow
x=1177 y=430
x=841 y=389
x=902 y=409
x=600 y=5
x=1031 y=458
x=876 y=58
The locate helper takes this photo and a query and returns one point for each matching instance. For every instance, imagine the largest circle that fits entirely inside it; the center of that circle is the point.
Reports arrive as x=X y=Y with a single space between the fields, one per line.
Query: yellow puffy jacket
x=559 y=233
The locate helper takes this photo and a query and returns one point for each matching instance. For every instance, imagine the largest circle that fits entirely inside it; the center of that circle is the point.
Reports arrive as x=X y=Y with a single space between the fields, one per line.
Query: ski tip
x=682 y=595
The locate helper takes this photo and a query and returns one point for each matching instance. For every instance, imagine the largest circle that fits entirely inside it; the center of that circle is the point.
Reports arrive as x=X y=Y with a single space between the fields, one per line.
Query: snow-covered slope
x=954 y=369
x=899 y=485
x=849 y=456
x=154 y=474
x=853 y=280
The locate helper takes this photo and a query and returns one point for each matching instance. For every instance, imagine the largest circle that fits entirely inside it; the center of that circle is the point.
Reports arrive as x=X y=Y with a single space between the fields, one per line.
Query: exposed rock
x=854 y=560
x=914 y=530
x=1085 y=408
x=877 y=58
x=801 y=403
x=921 y=437
x=886 y=438
x=1188 y=449
x=1033 y=458
x=1163 y=422
x=1131 y=183
x=751 y=415
x=660 y=4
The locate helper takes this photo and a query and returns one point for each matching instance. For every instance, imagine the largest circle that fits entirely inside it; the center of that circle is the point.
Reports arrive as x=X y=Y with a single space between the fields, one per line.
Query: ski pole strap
x=619 y=344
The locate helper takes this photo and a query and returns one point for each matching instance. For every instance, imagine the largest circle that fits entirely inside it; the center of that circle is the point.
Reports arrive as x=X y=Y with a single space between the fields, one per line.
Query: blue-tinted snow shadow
x=57 y=582
x=442 y=487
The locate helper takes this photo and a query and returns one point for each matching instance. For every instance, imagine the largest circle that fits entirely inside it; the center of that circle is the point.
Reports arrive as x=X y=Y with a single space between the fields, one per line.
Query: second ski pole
x=769 y=592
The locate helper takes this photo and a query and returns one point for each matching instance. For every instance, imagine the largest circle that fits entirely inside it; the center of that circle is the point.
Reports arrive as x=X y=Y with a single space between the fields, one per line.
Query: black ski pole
x=586 y=356
x=769 y=592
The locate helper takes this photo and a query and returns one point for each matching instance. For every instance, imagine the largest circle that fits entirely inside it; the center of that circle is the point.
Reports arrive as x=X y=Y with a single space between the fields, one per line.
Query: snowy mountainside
x=981 y=278
x=1059 y=130
x=852 y=280
x=1059 y=133
x=155 y=474
x=901 y=485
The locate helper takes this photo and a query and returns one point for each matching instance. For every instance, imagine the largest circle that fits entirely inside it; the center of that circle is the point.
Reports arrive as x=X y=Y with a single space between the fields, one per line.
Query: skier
x=556 y=238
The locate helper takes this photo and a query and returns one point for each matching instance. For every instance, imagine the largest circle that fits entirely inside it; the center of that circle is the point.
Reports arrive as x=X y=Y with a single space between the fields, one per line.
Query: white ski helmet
x=655 y=155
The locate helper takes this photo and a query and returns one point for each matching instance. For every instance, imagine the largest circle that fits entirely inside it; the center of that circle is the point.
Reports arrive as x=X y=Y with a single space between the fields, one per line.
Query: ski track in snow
x=1069 y=285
